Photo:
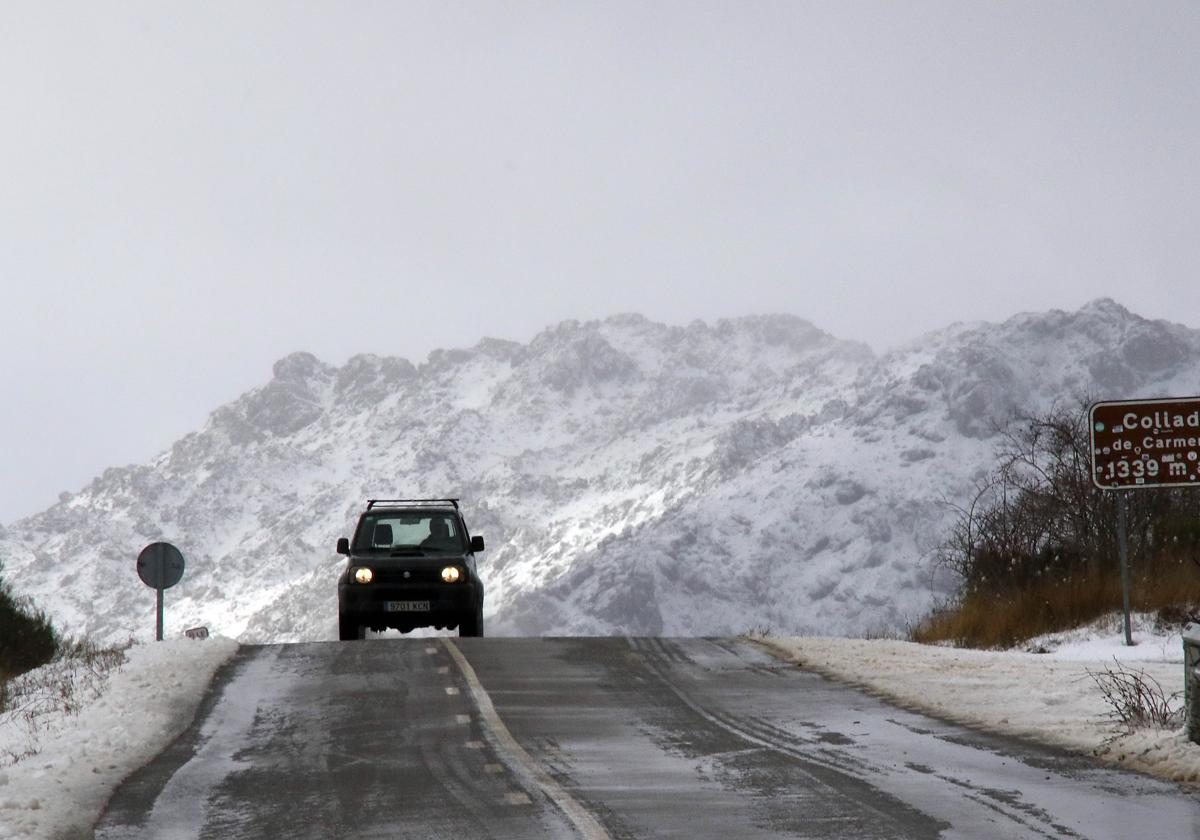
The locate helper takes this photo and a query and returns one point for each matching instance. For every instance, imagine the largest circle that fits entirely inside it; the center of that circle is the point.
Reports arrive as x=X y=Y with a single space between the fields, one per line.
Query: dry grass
x=73 y=679
x=1007 y=617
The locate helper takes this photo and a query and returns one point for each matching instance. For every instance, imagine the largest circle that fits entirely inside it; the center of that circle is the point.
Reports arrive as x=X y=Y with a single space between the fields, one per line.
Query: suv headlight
x=451 y=574
x=363 y=575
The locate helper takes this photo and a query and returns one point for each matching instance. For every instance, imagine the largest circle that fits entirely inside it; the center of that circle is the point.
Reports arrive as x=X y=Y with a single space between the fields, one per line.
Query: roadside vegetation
x=1036 y=548
x=27 y=639
x=61 y=687
x=42 y=675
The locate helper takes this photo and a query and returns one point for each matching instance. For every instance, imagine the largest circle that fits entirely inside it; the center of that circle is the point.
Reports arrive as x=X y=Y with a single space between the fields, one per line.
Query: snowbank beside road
x=59 y=791
x=1044 y=697
x=80 y=759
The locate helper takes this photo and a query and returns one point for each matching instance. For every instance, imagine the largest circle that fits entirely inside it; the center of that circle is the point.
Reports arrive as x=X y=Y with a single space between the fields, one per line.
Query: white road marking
x=451 y=690
x=462 y=718
x=431 y=650
x=517 y=797
x=522 y=762
x=474 y=745
x=445 y=669
x=493 y=768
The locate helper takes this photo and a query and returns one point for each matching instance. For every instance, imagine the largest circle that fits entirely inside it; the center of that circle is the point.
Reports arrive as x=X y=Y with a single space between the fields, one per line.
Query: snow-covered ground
x=78 y=760
x=1047 y=697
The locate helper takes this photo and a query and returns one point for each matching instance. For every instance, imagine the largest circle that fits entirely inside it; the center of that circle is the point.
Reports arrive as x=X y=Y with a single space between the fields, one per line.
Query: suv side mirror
x=343 y=546
x=476 y=544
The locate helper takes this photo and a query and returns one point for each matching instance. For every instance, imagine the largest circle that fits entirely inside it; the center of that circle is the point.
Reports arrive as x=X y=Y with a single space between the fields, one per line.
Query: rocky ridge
x=629 y=477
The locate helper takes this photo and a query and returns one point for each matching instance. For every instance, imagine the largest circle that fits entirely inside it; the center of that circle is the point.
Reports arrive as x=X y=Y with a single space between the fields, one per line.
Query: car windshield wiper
x=407 y=550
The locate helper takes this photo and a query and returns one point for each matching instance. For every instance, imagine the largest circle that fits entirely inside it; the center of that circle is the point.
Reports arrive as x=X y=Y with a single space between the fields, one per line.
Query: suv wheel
x=472 y=624
x=350 y=630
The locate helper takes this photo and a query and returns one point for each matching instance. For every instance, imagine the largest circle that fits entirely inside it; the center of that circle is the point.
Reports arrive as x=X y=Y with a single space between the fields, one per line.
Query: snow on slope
x=80 y=759
x=629 y=477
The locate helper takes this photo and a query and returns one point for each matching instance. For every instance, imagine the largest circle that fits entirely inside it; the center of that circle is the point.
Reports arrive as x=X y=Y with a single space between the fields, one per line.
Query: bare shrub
x=1175 y=615
x=877 y=632
x=1034 y=546
x=1136 y=700
x=758 y=631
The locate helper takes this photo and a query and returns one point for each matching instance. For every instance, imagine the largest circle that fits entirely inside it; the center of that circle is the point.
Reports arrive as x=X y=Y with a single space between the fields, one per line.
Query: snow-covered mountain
x=629 y=477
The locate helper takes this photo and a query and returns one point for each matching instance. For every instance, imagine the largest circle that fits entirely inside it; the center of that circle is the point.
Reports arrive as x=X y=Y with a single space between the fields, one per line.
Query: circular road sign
x=160 y=565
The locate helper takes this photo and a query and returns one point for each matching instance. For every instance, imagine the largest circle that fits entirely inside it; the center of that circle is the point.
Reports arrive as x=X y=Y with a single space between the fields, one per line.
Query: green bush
x=27 y=639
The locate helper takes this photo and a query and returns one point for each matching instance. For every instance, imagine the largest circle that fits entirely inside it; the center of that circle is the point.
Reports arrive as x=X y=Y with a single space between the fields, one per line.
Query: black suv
x=412 y=564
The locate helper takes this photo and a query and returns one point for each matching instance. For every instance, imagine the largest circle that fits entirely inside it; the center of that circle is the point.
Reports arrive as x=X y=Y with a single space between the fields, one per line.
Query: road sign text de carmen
x=1146 y=443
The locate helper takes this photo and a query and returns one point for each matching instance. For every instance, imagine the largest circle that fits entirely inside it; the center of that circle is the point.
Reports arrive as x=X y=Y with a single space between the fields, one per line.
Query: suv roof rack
x=373 y=502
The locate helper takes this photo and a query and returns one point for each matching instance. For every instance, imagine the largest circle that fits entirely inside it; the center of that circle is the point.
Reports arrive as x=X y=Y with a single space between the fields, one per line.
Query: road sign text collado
x=1146 y=443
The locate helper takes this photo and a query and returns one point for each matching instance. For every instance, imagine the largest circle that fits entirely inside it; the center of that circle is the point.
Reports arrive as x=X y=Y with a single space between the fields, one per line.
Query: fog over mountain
x=629 y=477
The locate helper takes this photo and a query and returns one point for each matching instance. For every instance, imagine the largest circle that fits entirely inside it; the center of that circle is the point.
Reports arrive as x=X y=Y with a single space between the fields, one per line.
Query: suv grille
x=408 y=575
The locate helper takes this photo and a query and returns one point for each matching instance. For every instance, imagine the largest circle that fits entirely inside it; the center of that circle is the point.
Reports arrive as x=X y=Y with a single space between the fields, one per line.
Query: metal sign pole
x=1142 y=444
x=160 y=566
x=159 y=571
x=1123 y=537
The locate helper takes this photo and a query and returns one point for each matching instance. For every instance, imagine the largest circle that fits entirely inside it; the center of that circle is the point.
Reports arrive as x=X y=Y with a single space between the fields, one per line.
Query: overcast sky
x=190 y=191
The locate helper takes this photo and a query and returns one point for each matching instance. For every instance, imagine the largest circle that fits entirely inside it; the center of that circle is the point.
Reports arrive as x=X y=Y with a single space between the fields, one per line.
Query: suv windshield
x=388 y=531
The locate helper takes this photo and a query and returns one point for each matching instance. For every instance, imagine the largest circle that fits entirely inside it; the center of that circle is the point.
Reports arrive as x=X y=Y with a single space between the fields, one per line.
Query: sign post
x=1123 y=540
x=160 y=566
x=1143 y=444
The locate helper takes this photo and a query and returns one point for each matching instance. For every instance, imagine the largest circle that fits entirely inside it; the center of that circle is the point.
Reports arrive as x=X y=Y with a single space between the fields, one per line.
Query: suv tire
x=471 y=625
x=350 y=630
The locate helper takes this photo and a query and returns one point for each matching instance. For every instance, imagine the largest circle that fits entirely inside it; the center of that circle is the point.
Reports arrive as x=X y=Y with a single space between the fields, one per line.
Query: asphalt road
x=600 y=738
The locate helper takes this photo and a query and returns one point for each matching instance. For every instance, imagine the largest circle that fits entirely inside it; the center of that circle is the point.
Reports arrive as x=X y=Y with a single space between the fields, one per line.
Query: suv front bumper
x=368 y=604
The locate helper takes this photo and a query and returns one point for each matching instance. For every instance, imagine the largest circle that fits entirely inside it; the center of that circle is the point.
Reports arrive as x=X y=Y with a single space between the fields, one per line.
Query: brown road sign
x=1146 y=443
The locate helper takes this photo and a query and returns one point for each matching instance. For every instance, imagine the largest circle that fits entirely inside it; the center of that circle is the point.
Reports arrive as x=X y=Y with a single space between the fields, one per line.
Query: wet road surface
x=600 y=738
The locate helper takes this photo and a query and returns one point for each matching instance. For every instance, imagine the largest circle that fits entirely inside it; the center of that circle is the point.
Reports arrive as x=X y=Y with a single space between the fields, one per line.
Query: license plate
x=407 y=606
